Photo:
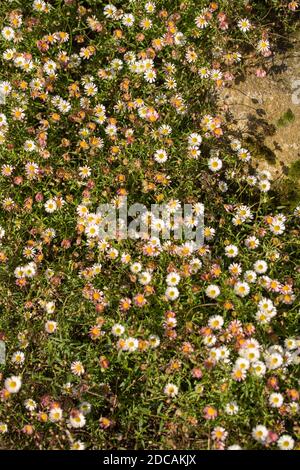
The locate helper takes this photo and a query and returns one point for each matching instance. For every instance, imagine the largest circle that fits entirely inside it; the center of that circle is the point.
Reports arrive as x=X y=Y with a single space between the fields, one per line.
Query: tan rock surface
x=267 y=111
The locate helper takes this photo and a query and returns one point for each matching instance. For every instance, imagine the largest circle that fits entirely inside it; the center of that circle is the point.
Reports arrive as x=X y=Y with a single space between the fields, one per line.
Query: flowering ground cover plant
x=141 y=342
